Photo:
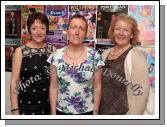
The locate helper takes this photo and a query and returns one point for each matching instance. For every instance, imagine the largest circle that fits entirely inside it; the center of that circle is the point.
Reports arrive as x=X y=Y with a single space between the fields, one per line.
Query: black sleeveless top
x=114 y=93
x=33 y=96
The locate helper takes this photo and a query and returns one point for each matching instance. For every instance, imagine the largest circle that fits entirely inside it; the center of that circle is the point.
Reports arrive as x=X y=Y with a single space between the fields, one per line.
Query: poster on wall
x=58 y=19
x=145 y=17
x=106 y=14
x=151 y=63
x=12 y=32
x=12 y=21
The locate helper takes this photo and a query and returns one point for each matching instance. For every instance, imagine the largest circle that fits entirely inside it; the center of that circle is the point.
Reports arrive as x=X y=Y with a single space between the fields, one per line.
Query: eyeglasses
x=79 y=28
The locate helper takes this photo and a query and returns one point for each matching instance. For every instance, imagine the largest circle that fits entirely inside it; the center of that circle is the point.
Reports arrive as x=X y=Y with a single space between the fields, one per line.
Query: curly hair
x=128 y=19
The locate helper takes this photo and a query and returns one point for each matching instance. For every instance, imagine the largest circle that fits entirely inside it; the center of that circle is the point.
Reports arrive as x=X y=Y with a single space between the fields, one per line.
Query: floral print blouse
x=75 y=94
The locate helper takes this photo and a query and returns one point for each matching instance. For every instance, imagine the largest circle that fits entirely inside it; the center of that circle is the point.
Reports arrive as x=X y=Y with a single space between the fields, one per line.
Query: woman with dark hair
x=29 y=86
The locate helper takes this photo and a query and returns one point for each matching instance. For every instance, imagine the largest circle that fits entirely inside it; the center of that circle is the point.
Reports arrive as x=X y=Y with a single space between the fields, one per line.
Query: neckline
x=118 y=56
x=36 y=48
x=78 y=63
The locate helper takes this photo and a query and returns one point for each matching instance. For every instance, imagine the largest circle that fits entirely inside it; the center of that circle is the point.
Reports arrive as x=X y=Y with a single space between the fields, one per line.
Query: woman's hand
x=95 y=112
x=16 y=112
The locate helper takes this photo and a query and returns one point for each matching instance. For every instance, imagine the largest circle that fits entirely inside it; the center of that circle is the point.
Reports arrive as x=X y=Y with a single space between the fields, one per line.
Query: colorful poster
x=151 y=64
x=145 y=17
x=89 y=12
x=57 y=38
x=58 y=20
x=26 y=11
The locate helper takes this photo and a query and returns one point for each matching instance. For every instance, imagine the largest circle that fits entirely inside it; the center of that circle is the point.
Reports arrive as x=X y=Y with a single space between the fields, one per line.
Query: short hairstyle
x=131 y=21
x=77 y=16
x=37 y=16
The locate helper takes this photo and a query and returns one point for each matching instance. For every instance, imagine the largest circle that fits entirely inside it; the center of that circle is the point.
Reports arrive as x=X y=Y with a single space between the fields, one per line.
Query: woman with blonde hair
x=125 y=74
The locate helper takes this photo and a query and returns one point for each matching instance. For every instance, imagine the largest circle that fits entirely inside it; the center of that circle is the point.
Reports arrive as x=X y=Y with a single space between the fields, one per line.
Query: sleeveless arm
x=16 y=65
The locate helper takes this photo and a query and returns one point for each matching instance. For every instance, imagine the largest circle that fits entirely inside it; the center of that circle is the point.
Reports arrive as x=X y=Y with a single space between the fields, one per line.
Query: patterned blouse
x=75 y=94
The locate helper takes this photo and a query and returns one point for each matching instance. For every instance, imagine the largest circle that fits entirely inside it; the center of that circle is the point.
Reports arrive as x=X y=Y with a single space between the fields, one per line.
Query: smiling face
x=76 y=31
x=38 y=31
x=122 y=33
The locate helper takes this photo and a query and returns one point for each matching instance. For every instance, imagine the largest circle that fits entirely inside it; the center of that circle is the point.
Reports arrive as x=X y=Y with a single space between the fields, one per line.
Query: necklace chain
x=118 y=52
x=74 y=58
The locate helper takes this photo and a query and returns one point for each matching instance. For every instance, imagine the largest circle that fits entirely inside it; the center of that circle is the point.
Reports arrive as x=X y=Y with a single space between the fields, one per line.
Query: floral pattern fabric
x=75 y=94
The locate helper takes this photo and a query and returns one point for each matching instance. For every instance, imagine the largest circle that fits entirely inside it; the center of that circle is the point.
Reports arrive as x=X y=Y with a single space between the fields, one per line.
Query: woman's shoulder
x=139 y=51
x=18 y=52
x=61 y=49
x=93 y=52
x=138 y=54
x=90 y=48
x=105 y=53
x=19 y=49
x=59 y=52
x=107 y=50
x=51 y=47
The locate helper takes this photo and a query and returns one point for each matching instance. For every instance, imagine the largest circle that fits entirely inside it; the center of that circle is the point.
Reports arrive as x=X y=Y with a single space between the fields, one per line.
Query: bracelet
x=14 y=109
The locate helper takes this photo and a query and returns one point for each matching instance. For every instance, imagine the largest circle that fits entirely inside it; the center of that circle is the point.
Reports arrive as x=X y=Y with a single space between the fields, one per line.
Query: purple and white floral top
x=75 y=94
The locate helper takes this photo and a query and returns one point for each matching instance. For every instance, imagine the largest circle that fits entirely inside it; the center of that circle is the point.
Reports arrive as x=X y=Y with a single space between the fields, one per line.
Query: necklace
x=118 y=51
x=74 y=59
x=42 y=45
x=36 y=46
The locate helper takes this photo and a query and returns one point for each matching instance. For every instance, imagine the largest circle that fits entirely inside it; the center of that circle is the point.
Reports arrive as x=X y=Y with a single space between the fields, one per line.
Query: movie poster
x=58 y=21
x=12 y=21
x=26 y=11
x=12 y=32
x=145 y=17
x=89 y=12
x=106 y=14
